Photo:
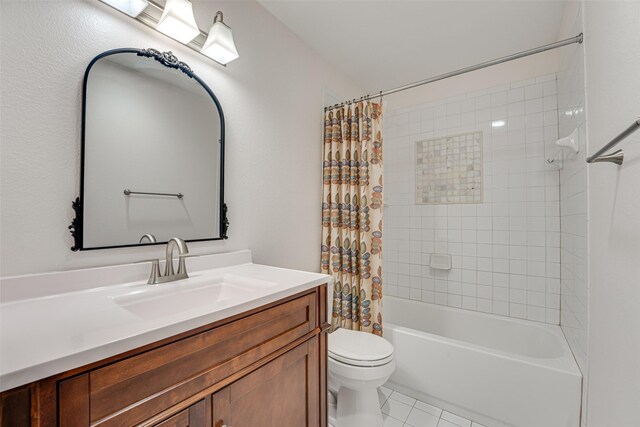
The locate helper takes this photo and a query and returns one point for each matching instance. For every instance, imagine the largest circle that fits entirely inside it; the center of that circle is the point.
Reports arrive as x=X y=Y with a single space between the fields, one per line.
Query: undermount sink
x=151 y=301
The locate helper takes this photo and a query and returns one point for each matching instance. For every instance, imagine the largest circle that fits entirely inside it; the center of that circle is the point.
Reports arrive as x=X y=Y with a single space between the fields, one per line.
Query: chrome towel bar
x=617 y=156
x=128 y=192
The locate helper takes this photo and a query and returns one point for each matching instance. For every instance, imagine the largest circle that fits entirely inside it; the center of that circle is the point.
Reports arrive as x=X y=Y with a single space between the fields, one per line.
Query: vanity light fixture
x=219 y=45
x=498 y=123
x=177 y=21
x=133 y=8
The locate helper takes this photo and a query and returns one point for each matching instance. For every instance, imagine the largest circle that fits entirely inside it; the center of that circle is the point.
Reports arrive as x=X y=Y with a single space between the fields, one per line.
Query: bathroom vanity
x=231 y=343
x=252 y=354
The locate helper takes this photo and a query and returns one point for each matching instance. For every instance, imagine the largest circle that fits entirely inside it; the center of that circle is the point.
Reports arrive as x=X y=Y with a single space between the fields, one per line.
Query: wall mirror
x=152 y=153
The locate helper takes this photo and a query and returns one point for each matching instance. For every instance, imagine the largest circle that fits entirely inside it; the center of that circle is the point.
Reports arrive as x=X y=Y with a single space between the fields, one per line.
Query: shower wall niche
x=503 y=237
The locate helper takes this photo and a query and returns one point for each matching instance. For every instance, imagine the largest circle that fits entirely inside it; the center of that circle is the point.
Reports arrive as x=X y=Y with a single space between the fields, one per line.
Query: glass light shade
x=177 y=21
x=132 y=8
x=219 y=45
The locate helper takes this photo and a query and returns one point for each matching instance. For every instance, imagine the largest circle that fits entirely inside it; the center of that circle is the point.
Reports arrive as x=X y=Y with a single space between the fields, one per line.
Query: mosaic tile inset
x=449 y=169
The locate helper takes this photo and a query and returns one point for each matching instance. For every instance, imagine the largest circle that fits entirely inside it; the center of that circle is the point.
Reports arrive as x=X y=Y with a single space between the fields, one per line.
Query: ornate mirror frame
x=168 y=59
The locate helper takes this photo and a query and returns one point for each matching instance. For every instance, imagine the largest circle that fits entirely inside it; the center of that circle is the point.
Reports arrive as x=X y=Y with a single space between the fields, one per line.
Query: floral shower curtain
x=352 y=214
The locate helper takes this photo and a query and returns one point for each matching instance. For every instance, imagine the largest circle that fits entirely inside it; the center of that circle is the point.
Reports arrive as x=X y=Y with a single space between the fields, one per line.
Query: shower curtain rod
x=565 y=42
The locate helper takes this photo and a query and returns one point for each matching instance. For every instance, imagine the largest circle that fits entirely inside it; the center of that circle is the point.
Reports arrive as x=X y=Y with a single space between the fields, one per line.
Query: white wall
x=573 y=195
x=505 y=251
x=612 y=52
x=272 y=98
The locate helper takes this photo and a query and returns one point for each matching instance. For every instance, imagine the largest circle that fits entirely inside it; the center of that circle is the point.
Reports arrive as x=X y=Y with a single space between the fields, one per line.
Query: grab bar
x=178 y=195
x=617 y=156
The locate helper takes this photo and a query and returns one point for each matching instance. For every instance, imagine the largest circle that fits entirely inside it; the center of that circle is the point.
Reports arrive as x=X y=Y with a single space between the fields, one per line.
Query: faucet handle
x=182 y=267
x=155 y=270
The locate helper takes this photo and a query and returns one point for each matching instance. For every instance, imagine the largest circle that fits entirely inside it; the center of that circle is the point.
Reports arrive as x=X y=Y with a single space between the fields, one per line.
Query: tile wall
x=573 y=198
x=506 y=250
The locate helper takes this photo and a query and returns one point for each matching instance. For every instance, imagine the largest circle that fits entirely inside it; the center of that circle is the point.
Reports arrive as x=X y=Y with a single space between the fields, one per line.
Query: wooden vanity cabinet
x=265 y=367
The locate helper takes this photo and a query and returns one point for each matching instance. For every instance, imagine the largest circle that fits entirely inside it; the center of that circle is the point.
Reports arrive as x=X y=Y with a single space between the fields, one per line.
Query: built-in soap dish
x=441 y=261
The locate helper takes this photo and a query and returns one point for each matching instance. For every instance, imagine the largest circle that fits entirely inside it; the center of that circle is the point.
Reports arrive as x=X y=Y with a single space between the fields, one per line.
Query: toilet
x=359 y=363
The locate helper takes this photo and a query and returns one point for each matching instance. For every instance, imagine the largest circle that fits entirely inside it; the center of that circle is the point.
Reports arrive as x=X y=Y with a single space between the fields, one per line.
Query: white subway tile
x=484 y=305
x=517 y=281
x=499 y=98
x=535 y=268
x=537 y=284
x=533 y=106
x=428 y=296
x=518 y=310
x=518 y=296
x=484 y=264
x=549 y=88
x=552 y=316
x=484 y=278
x=501 y=307
x=515 y=95
x=522 y=83
x=515 y=109
x=454 y=300
x=537 y=314
x=533 y=91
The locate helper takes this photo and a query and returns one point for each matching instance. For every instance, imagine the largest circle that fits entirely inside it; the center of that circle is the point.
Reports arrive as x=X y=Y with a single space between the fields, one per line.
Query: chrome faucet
x=182 y=251
x=169 y=275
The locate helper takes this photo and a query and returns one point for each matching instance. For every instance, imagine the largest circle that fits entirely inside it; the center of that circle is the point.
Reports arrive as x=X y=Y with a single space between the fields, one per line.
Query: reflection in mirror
x=153 y=153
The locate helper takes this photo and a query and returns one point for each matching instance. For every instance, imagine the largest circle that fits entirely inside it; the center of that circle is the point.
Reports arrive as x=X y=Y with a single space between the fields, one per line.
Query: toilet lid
x=359 y=348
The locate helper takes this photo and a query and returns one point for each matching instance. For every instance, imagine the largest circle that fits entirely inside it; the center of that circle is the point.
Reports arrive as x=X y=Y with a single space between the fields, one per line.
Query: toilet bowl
x=359 y=363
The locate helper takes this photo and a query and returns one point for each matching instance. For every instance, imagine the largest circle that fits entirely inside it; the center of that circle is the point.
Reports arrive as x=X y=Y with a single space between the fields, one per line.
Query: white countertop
x=44 y=333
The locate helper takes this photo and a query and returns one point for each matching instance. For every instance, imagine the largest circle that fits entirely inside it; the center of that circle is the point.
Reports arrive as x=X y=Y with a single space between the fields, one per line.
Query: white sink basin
x=152 y=301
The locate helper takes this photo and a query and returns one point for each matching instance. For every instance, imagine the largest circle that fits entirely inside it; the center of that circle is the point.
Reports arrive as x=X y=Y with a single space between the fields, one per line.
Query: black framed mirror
x=152 y=164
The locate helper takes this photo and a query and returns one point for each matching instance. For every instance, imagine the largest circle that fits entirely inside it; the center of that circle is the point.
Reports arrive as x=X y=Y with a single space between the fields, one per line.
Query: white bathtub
x=495 y=370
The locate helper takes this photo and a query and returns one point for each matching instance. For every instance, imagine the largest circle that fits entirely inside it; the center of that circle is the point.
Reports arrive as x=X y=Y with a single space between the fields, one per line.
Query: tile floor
x=399 y=410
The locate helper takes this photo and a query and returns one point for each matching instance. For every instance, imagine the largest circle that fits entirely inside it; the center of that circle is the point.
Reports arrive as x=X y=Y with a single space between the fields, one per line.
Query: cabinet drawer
x=126 y=392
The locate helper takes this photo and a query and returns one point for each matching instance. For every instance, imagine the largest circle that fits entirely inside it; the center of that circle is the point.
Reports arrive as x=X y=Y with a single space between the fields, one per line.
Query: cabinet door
x=131 y=390
x=283 y=393
x=193 y=416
